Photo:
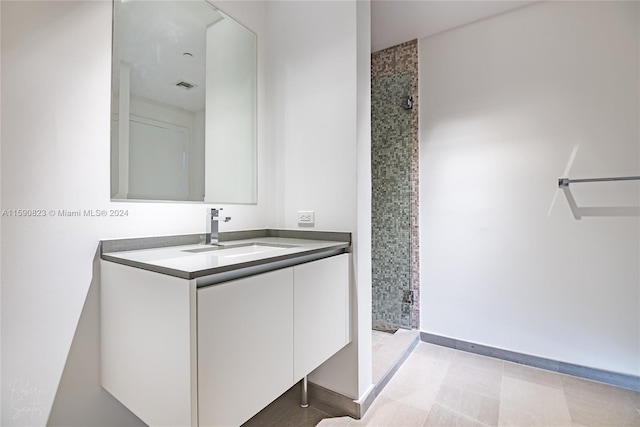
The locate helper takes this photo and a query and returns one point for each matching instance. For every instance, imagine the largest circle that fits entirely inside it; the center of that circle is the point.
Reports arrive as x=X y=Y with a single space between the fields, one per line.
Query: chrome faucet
x=212 y=226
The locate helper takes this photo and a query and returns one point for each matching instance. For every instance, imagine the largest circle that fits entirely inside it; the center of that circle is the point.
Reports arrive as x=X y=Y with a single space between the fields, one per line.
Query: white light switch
x=306 y=217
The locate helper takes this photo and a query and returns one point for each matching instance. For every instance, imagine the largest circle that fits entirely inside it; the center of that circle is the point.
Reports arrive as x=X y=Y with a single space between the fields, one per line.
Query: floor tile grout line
x=461 y=414
x=500 y=392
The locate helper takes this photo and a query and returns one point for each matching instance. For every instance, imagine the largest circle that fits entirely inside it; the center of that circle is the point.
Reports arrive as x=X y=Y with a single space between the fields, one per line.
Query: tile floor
x=439 y=386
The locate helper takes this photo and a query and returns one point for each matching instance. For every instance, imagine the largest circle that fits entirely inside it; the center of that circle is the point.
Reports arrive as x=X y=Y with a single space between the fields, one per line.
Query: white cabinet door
x=321 y=312
x=148 y=343
x=245 y=346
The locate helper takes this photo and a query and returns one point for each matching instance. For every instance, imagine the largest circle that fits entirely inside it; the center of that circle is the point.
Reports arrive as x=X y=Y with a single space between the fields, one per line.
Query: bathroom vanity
x=196 y=335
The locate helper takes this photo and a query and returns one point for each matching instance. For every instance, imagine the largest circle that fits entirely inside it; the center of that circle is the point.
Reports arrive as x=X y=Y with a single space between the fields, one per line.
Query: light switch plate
x=306 y=217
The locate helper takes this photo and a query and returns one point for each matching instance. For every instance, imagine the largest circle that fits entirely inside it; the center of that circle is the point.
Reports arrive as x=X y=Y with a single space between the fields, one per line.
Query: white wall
x=56 y=62
x=313 y=100
x=231 y=113
x=320 y=141
x=503 y=102
x=362 y=237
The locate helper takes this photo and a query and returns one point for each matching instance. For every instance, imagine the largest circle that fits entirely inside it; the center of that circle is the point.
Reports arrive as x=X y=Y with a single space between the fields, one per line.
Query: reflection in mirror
x=183 y=104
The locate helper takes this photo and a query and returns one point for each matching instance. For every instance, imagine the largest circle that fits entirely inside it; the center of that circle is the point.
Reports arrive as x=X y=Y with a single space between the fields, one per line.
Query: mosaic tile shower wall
x=394 y=163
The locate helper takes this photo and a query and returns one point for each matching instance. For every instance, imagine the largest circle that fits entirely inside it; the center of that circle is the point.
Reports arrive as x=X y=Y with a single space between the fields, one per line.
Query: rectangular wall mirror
x=183 y=104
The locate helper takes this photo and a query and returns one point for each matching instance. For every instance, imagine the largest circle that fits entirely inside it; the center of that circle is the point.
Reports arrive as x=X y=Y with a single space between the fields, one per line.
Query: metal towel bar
x=564 y=182
x=578 y=212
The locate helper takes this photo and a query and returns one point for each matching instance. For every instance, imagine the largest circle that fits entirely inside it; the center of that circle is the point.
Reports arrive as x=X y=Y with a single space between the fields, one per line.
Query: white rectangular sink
x=240 y=250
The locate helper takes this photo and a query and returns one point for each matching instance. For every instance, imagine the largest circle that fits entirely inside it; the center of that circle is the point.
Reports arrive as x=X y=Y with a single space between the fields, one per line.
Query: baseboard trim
x=331 y=402
x=367 y=401
x=613 y=378
x=337 y=404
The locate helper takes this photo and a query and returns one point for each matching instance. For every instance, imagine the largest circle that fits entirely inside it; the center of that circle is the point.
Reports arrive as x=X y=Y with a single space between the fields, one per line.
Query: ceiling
x=397 y=21
x=154 y=37
x=164 y=43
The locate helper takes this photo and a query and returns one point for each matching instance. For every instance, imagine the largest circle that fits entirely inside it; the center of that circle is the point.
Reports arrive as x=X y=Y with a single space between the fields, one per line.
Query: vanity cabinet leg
x=304 y=393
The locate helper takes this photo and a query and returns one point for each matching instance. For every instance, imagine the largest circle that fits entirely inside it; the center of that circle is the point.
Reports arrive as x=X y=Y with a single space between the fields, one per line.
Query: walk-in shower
x=394 y=164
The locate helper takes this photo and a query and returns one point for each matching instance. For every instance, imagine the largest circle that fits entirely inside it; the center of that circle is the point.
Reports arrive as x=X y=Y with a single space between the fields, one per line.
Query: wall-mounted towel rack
x=579 y=212
x=564 y=182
